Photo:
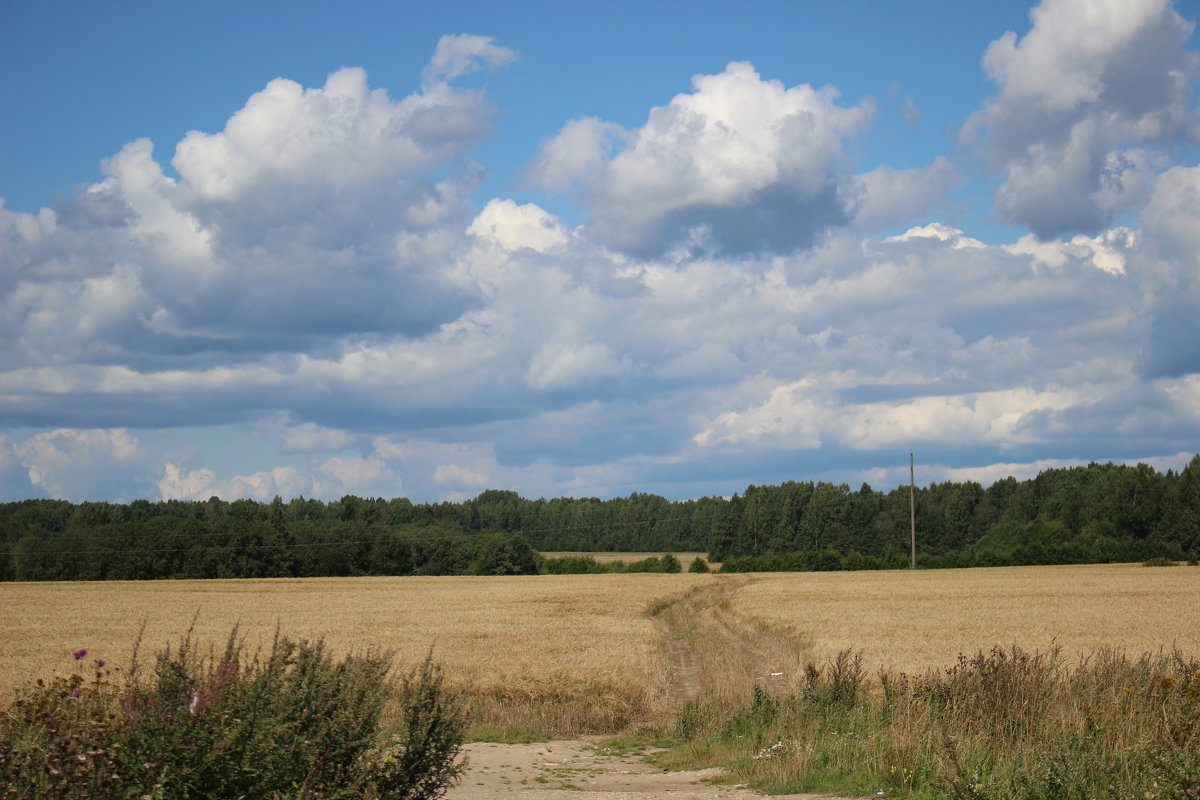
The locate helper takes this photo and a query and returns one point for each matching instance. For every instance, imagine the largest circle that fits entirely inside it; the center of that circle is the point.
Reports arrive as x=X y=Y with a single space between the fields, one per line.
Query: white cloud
x=1165 y=261
x=742 y=163
x=305 y=437
x=577 y=155
x=177 y=483
x=894 y=196
x=459 y=54
x=315 y=212
x=805 y=414
x=942 y=233
x=565 y=365
x=513 y=226
x=81 y=464
x=341 y=475
x=1107 y=251
x=331 y=478
x=1003 y=418
x=1083 y=100
x=316 y=281
x=455 y=476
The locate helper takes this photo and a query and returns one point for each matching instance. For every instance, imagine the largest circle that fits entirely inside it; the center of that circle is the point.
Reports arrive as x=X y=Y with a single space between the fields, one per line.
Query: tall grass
x=1001 y=725
x=290 y=722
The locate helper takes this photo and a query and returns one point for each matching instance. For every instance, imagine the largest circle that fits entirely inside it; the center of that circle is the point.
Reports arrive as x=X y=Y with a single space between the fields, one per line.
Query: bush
x=295 y=723
x=699 y=565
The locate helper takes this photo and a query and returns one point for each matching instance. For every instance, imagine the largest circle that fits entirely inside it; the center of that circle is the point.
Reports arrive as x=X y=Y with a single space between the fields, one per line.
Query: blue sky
x=426 y=249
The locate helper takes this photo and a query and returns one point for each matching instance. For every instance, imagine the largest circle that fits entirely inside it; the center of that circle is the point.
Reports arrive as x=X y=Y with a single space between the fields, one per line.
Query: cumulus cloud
x=1106 y=251
x=458 y=477
x=889 y=196
x=315 y=213
x=14 y=478
x=315 y=281
x=82 y=464
x=799 y=416
x=331 y=478
x=304 y=437
x=1166 y=264
x=512 y=227
x=741 y=165
x=1085 y=101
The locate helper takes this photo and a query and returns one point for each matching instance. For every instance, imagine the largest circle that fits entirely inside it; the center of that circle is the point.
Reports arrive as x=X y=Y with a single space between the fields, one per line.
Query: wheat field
x=581 y=653
x=554 y=652
x=912 y=621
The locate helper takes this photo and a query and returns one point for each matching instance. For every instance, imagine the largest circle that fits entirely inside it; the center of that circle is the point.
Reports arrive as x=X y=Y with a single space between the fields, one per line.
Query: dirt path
x=585 y=770
x=581 y=770
x=685 y=664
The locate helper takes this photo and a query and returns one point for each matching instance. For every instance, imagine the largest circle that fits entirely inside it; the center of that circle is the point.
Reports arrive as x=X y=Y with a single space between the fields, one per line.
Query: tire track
x=685 y=664
x=709 y=644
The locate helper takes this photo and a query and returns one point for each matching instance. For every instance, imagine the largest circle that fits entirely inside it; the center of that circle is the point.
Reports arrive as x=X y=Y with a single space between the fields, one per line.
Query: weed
x=293 y=721
x=1009 y=724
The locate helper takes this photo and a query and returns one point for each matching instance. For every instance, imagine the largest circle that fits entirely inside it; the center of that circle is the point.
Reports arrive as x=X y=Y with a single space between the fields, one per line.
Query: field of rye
x=559 y=653
x=602 y=653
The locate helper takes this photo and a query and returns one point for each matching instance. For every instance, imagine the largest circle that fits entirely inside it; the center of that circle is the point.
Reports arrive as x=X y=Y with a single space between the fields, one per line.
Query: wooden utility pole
x=912 y=509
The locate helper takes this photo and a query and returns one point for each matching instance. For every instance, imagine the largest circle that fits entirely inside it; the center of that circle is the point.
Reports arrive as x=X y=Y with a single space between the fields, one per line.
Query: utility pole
x=912 y=509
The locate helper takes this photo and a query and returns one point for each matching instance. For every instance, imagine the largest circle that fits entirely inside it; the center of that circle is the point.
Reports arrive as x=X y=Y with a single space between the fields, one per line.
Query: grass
x=849 y=683
x=559 y=656
x=510 y=735
x=1009 y=724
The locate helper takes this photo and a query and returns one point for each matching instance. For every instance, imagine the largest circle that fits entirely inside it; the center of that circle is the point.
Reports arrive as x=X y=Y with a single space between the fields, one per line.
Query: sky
x=409 y=249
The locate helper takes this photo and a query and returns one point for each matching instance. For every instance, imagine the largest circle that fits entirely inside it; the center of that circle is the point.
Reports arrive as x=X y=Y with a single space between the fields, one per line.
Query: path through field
x=704 y=641
x=584 y=770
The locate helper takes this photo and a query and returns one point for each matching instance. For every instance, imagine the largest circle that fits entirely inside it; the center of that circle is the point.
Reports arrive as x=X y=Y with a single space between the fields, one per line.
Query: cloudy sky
x=380 y=248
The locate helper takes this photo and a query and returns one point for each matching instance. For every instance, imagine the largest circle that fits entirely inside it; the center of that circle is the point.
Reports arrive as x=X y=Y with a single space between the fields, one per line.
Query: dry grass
x=911 y=621
x=566 y=654
x=578 y=653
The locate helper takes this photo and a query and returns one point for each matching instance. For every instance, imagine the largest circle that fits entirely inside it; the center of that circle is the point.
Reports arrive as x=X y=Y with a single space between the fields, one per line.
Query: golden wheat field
x=545 y=651
x=575 y=653
x=916 y=620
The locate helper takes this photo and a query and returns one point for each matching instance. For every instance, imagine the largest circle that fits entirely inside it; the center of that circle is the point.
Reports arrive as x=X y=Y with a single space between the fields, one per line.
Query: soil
x=584 y=770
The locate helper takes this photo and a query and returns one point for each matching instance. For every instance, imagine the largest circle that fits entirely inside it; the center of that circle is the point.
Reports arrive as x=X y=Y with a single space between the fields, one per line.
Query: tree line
x=1087 y=514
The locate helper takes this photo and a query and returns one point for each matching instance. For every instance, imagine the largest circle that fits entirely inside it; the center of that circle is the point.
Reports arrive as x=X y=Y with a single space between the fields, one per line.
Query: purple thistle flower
x=80 y=654
x=76 y=693
x=100 y=662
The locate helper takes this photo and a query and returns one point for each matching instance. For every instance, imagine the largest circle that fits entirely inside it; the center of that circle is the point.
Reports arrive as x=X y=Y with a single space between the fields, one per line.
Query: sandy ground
x=581 y=770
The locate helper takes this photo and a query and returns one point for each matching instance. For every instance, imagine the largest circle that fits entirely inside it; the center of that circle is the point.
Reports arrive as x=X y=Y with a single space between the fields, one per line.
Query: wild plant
x=1009 y=724
x=290 y=722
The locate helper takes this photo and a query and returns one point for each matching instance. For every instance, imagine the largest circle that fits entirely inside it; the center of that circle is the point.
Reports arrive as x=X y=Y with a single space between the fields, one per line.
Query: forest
x=1097 y=513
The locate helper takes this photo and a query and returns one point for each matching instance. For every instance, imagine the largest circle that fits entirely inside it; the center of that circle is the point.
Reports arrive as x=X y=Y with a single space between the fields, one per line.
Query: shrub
x=699 y=565
x=295 y=722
